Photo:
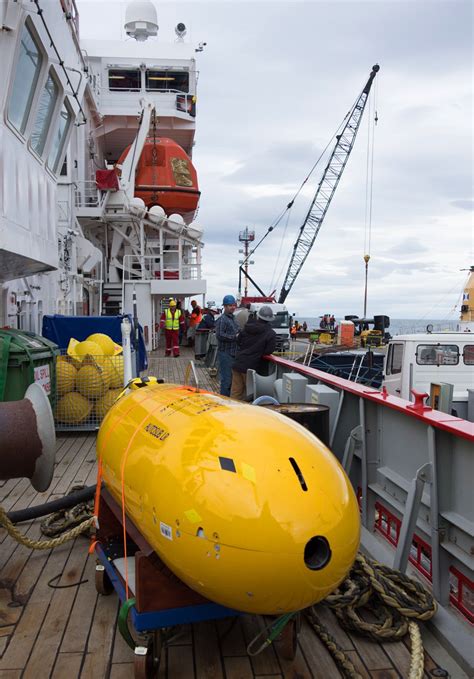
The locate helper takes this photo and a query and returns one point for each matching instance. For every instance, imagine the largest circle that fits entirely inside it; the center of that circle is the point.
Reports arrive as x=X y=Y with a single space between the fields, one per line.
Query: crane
x=326 y=188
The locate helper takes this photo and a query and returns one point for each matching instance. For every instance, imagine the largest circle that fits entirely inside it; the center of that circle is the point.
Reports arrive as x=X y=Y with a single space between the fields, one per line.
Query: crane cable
x=288 y=212
x=369 y=185
x=290 y=204
x=372 y=120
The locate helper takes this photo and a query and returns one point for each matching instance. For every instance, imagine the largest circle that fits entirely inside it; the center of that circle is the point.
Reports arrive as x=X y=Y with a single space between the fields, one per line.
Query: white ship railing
x=70 y=8
x=152 y=267
x=86 y=194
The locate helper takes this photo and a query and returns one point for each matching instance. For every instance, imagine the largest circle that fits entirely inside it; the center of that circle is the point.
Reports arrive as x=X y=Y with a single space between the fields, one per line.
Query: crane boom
x=326 y=188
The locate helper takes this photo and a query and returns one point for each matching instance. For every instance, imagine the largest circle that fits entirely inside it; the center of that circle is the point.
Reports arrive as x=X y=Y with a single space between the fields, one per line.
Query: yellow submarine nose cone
x=244 y=505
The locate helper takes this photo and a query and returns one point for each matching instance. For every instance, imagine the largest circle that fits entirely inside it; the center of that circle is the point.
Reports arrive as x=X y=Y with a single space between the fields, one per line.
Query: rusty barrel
x=28 y=439
x=313 y=416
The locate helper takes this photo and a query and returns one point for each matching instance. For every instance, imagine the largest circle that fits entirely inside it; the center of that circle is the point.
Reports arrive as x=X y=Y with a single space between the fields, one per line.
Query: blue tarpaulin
x=60 y=329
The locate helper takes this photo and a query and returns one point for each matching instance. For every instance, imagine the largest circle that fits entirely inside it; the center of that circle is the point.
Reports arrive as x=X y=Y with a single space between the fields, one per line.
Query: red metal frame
x=434 y=418
x=387 y=524
x=384 y=521
x=457 y=598
x=422 y=549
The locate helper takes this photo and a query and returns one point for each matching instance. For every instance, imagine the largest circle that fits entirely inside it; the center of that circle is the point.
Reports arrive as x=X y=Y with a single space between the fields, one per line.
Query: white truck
x=280 y=322
x=418 y=361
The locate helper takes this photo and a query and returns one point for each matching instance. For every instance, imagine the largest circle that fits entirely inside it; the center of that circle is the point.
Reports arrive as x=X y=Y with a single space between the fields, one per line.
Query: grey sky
x=276 y=80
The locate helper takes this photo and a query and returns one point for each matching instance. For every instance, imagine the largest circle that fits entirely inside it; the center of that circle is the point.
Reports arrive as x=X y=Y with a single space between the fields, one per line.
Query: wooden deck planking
x=71 y=633
x=174 y=369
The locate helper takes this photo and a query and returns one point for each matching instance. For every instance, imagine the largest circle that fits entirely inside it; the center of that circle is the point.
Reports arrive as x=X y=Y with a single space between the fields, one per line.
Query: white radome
x=195 y=231
x=137 y=207
x=141 y=21
x=156 y=214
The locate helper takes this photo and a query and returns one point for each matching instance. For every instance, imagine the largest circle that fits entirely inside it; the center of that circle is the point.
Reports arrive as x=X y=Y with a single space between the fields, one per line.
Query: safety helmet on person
x=265 y=313
x=172 y=302
x=228 y=300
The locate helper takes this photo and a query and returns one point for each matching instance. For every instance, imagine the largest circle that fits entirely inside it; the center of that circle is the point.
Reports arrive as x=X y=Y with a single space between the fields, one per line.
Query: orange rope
x=122 y=480
x=100 y=468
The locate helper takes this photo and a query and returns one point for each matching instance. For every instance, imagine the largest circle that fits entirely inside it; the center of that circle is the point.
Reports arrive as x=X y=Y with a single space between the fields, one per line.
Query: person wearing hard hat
x=227 y=330
x=171 y=320
x=257 y=339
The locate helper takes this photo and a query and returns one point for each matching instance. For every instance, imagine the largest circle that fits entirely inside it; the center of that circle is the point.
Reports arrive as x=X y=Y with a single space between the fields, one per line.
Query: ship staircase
x=148 y=257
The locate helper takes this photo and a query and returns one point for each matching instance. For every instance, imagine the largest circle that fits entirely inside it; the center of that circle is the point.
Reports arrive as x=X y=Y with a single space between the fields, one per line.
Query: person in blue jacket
x=227 y=330
x=208 y=321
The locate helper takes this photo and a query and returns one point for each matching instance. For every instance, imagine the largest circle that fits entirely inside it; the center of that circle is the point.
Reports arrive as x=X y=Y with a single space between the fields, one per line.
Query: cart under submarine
x=212 y=507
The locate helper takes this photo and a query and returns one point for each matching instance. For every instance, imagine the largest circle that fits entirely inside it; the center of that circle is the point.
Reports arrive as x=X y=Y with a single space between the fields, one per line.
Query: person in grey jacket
x=227 y=330
x=257 y=339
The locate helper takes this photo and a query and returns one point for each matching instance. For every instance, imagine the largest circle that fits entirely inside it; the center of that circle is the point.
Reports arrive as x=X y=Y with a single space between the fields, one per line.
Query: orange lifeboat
x=165 y=176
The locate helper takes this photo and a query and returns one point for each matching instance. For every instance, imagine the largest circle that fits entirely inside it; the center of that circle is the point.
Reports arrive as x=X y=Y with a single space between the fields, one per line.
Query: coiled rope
x=13 y=531
x=393 y=597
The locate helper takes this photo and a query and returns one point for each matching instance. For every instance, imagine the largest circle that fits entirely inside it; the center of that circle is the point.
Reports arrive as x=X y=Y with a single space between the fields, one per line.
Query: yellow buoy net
x=92 y=381
x=72 y=408
x=89 y=378
x=104 y=404
x=65 y=375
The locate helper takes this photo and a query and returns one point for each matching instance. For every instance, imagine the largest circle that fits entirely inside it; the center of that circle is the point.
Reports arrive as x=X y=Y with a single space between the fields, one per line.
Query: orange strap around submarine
x=100 y=470
x=122 y=480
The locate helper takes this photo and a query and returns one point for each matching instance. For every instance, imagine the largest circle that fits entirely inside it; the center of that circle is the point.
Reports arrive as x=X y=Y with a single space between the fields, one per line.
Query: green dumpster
x=26 y=358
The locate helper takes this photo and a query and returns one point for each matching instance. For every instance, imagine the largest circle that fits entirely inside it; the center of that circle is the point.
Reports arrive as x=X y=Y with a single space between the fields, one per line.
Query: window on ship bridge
x=44 y=114
x=57 y=145
x=167 y=80
x=26 y=76
x=128 y=80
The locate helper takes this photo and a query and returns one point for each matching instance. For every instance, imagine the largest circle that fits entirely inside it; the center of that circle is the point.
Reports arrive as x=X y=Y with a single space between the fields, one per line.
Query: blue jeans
x=225 y=368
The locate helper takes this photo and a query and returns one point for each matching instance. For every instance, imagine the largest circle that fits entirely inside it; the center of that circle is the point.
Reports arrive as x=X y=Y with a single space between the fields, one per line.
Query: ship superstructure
x=74 y=237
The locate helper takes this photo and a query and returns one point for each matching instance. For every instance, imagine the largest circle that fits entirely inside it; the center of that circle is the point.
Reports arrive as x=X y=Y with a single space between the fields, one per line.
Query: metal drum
x=313 y=416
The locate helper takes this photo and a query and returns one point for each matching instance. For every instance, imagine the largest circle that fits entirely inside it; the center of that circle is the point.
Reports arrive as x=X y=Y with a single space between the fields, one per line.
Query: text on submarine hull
x=244 y=505
x=165 y=176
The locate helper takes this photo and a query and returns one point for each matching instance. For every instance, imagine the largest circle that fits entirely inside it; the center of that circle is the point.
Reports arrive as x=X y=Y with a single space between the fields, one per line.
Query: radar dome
x=156 y=214
x=175 y=222
x=195 y=231
x=141 y=20
x=137 y=206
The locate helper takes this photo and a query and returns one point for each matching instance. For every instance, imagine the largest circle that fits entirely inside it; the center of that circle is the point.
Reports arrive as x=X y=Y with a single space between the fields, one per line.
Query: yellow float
x=65 y=375
x=72 y=408
x=106 y=343
x=104 y=404
x=92 y=381
x=244 y=505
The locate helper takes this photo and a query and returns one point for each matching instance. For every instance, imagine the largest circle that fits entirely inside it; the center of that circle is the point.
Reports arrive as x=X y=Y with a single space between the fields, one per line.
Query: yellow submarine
x=244 y=505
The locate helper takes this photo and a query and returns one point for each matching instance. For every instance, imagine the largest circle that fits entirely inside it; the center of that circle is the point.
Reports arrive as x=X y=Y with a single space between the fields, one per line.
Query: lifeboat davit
x=166 y=176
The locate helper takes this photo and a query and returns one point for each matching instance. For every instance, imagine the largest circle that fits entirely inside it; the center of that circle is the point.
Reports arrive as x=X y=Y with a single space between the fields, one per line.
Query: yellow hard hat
x=172 y=302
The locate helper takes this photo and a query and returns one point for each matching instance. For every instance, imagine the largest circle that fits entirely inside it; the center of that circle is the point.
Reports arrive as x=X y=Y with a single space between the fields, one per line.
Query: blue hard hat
x=229 y=299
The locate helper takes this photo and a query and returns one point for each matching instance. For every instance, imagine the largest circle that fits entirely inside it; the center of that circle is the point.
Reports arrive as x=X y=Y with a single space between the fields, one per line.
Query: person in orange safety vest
x=195 y=318
x=171 y=320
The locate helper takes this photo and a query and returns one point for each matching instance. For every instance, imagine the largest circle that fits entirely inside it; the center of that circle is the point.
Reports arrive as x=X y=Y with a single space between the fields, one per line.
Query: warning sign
x=43 y=378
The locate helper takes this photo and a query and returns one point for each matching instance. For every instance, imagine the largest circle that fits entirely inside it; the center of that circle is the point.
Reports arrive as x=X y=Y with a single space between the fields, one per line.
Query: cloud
x=276 y=80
